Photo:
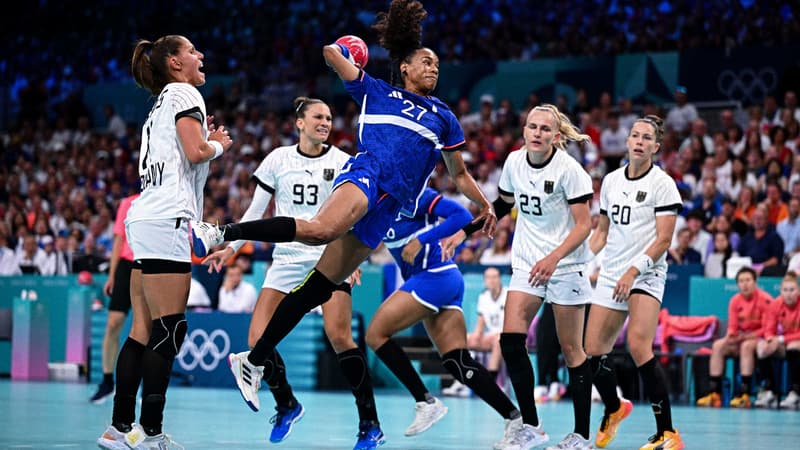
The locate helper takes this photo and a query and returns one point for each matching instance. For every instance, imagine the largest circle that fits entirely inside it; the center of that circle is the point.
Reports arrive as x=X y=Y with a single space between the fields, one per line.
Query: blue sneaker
x=370 y=435
x=284 y=420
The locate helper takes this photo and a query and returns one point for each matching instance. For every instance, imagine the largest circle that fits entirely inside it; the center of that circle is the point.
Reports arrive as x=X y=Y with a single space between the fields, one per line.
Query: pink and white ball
x=357 y=48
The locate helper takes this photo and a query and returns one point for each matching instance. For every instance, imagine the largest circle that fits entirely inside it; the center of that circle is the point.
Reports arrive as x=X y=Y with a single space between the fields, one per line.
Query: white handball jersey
x=543 y=195
x=493 y=311
x=631 y=206
x=300 y=184
x=172 y=187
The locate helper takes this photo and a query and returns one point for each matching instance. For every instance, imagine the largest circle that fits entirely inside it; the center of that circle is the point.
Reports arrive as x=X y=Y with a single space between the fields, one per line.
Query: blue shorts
x=382 y=208
x=441 y=287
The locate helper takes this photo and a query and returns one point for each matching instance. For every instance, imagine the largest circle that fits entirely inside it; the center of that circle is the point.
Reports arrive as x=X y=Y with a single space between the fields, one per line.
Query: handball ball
x=359 y=55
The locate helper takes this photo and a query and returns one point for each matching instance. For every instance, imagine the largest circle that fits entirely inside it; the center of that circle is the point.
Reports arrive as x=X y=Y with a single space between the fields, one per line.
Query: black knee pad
x=513 y=344
x=345 y=287
x=315 y=290
x=599 y=365
x=460 y=364
x=167 y=335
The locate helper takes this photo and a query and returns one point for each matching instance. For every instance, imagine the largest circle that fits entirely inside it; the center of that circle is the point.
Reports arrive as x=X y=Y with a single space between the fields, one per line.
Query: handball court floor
x=49 y=415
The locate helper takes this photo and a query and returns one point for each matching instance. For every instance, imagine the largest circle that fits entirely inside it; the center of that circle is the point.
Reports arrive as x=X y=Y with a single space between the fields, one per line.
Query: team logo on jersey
x=548 y=186
x=327 y=174
x=640 y=196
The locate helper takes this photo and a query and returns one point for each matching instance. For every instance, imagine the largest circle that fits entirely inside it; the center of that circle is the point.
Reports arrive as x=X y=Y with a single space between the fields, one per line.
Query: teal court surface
x=58 y=415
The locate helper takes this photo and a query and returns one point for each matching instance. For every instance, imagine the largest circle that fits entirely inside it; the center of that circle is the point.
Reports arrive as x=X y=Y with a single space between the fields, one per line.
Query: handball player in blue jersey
x=402 y=131
x=432 y=292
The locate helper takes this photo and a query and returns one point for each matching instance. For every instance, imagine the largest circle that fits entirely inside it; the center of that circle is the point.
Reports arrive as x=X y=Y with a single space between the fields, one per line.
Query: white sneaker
x=205 y=236
x=572 y=441
x=540 y=394
x=792 y=401
x=457 y=389
x=248 y=378
x=508 y=432
x=524 y=437
x=766 y=399
x=556 y=391
x=112 y=439
x=425 y=415
x=137 y=439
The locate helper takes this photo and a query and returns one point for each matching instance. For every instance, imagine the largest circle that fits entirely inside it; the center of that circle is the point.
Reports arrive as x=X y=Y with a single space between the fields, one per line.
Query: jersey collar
x=542 y=165
x=325 y=149
x=627 y=177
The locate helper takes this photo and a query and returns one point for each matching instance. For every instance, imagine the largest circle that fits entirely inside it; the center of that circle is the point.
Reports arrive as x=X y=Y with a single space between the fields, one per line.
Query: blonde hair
x=568 y=131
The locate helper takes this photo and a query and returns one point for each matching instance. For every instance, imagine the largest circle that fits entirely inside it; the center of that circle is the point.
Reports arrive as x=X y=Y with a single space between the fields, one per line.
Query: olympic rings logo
x=747 y=85
x=204 y=350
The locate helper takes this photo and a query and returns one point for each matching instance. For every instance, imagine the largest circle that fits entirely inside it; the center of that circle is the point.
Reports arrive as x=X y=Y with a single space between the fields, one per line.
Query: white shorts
x=159 y=239
x=651 y=282
x=571 y=288
x=285 y=277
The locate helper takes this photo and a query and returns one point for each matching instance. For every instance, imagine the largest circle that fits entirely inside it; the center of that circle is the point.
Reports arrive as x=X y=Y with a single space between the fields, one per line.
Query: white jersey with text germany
x=299 y=184
x=492 y=310
x=172 y=187
x=631 y=206
x=543 y=194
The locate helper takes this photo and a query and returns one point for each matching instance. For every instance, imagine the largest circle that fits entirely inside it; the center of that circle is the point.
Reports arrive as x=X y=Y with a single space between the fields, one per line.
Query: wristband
x=781 y=339
x=642 y=263
x=345 y=50
x=217 y=149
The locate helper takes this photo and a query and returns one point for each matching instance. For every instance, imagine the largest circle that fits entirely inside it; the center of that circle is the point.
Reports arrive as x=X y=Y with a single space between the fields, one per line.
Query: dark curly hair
x=400 y=30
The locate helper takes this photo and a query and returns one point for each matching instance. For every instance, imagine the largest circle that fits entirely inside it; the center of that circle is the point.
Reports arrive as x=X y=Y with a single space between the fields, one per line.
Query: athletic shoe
x=540 y=394
x=523 y=436
x=425 y=415
x=205 y=236
x=284 y=420
x=104 y=391
x=556 y=391
x=740 y=401
x=572 y=441
x=792 y=401
x=610 y=424
x=112 y=439
x=712 y=400
x=508 y=432
x=370 y=435
x=766 y=399
x=670 y=440
x=457 y=389
x=248 y=378
x=138 y=440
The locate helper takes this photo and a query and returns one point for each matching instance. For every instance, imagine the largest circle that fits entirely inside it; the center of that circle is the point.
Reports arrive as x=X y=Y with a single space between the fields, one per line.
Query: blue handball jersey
x=423 y=225
x=404 y=133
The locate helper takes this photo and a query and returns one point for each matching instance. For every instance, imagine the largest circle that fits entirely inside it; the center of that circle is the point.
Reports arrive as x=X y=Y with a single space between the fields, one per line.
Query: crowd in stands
x=269 y=43
x=62 y=176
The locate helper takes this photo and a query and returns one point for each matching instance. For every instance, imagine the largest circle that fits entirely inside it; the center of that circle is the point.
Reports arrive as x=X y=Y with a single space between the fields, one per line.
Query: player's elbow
x=196 y=157
x=320 y=234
